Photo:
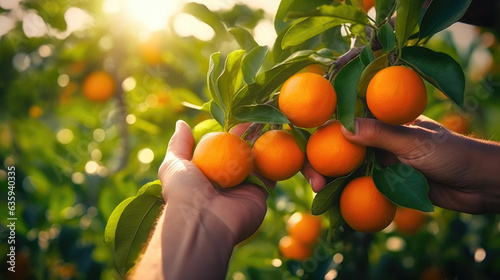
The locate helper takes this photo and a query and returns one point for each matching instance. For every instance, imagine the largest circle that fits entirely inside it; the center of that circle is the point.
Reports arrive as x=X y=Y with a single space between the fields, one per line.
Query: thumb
x=374 y=133
x=182 y=142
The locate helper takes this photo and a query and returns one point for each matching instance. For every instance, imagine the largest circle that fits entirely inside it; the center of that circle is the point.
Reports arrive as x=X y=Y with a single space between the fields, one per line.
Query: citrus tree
x=98 y=123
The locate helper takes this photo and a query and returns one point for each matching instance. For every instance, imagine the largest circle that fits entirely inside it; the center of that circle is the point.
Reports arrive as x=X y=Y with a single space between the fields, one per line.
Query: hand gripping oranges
x=307 y=99
x=277 y=156
x=224 y=158
x=396 y=95
x=331 y=154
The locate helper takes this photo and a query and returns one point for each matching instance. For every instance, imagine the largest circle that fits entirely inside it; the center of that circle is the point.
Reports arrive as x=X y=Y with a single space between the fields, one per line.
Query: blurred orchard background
x=78 y=155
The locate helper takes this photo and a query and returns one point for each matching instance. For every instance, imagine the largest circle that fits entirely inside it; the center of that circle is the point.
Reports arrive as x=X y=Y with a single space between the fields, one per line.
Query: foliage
x=77 y=160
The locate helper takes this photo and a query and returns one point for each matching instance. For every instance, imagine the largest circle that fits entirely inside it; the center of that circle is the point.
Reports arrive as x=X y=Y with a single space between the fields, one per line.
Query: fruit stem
x=253 y=132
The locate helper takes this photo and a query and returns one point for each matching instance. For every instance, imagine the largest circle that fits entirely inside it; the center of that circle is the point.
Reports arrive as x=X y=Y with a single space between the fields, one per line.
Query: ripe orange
x=364 y=208
x=315 y=68
x=409 y=221
x=331 y=154
x=307 y=99
x=304 y=227
x=396 y=95
x=224 y=158
x=151 y=49
x=99 y=86
x=368 y=4
x=277 y=156
x=291 y=248
x=455 y=122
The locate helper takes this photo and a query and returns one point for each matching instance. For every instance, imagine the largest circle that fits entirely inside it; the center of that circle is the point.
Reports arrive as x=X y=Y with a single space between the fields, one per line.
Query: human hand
x=241 y=208
x=450 y=161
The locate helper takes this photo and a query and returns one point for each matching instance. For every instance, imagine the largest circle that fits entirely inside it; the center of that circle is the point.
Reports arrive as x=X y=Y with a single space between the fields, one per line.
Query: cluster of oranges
x=395 y=95
x=303 y=231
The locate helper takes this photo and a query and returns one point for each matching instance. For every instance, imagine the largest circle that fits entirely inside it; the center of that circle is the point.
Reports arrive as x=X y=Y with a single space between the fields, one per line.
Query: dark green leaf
x=367 y=56
x=328 y=196
x=252 y=62
x=218 y=114
x=110 y=230
x=212 y=73
x=202 y=13
x=334 y=41
x=261 y=113
x=279 y=18
x=301 y=136
x=386 y=37
x=258 y=182
x=307 y=28
x=133 y=230
x=439 y=69
x=404 y=186
x=366 y=76
x=336 y=219
x=152 y=188
x=408 y=13
x=345 y=87
x=230 y=81
x=244 y=37
x=384 y=8
x=441 y=14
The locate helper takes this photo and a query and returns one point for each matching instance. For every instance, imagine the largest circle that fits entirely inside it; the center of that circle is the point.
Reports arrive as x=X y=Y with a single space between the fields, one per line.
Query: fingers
x=316 y=180
x=182 y=142
x=374 y=133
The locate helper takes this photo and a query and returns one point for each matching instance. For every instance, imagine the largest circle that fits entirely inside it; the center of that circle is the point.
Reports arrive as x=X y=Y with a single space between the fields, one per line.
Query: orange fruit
x=364 y=208
x=150 y=49
x=432 y=273
x=368 y=4
x=99 y=86
x=307 y=99
x=224 y=158
x=455 y=122
x=35 y=111
x=304 y=227
x=396 y=95
x=291 y=248
x=315 y=68
x=409 y=221
x=277 y=156
x=330 y=153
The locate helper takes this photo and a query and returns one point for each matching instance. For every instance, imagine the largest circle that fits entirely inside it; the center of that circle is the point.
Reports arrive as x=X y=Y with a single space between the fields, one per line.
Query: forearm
x=187 y=244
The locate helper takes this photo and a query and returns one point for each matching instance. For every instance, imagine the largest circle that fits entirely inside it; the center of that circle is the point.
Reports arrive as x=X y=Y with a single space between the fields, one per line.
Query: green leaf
x=279 y=18
x=252 y=62
x=307 y=28
x=439 y=69
x=244 y=37
x=258 y=182
x=386 y=37
x=133 y=230
x=301 y=8
x=110 y=230
x=260 y=113
x=205 y=127
x=336 y=219
x=385 y=9
x=404 y=186
x=441 y=14
x=213 y=71
x=345 y=87
x=367 y=56
x=301 y=137
x=230 y=80
x=334 y=41
x=202 y=13
x=343 y=13
x=152 y=188
x=366 y=76
x=218 y=114
x=328 y=196
x=408 y=13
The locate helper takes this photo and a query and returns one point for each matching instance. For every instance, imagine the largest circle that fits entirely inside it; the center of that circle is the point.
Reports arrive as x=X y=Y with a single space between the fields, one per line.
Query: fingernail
x=311 y=181
x=178 y=125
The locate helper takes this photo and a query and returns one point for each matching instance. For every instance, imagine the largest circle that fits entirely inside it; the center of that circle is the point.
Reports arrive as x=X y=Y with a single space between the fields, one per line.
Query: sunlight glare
x=153 y=14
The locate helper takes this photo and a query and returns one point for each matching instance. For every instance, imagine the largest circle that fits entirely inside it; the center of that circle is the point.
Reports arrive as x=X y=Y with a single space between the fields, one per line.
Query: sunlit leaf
x=110 y=230
x=133 y=230
x=261 y=113
x=252 y=62
x=212 y=73
x=202 y=13
x=307 y=28
x=218 y=114
x=404 y=186
x=205 y=127
x=439 y=69
x=231 y=78
x=244 y=37
x=153 y=188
